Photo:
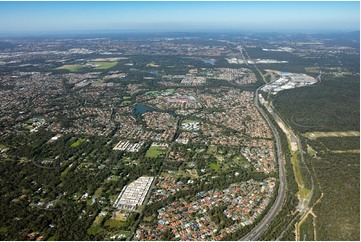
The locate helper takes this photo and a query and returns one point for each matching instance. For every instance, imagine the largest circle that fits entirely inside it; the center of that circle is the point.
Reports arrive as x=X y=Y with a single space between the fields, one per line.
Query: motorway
x=258 y=230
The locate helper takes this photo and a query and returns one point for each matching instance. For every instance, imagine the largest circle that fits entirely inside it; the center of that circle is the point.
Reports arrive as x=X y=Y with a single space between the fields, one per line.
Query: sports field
x=71 y=68
x=155 y=151
x=101 y=65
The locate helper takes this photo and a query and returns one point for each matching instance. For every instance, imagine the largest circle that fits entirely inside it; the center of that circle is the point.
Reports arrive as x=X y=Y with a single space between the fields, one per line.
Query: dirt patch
x=292 y=142
x=315 y=135
x=311 y=69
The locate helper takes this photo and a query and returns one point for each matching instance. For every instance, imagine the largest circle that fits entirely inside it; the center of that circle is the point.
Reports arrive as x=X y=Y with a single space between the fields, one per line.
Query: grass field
x=190 y=173
x=167 y=174
x=98 y=220
x=101 y=65
x=126 y=102
x=155 y=151
x=71 y=68
x=215 y=166
x=78 y=142
x=152 y=92
x=94 y=230
x=124 y=232
x=304 y=195
x=188 y=121
x=112 y=223
x=303 y=192
x=170 y=90
x=296 y=167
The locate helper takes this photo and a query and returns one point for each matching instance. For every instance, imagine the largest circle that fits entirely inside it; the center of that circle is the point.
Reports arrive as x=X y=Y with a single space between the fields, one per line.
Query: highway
x=302 y=161
x=256 y=232
x=260 y=227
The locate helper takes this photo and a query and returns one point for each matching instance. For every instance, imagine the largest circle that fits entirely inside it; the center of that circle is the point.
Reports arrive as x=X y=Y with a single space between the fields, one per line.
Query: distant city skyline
x=52 y=17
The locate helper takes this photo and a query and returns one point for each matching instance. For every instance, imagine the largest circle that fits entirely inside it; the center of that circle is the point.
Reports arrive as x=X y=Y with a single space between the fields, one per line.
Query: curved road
x=258 y=230
x=255 y=233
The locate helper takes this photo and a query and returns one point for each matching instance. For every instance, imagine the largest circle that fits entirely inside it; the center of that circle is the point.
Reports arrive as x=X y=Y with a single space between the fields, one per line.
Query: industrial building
x=134 y=194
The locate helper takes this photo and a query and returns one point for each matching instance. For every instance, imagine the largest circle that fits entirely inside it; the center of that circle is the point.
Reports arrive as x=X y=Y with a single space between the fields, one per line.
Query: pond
x=153 y=72
x=209 y=61
x=140 y=109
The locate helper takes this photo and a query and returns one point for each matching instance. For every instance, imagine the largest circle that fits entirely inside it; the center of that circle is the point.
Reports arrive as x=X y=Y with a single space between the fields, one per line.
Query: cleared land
x=315 y=135
x=101 y=65
x=345 y=151
x=215 y=166
x=312 y=69
x=98 y=65
x=112 y=223
x=307 y=229
x=289 y=134
x=303 y=193
x=155 y=151
x=71 y=68
x=78 y=142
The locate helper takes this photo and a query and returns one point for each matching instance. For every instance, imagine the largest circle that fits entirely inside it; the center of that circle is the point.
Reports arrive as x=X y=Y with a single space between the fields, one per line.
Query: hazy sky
x=25 y=17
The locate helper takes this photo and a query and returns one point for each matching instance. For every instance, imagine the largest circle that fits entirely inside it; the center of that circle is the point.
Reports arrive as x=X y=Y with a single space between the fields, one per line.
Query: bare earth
x=315 y=135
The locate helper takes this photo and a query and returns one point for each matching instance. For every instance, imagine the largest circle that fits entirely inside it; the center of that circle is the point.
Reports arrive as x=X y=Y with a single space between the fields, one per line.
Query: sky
x=52 y=17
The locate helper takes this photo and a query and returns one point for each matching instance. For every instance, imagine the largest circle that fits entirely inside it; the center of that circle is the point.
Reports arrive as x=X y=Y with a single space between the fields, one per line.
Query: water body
x=140 y=109
x=153 y=72
x=209 y=61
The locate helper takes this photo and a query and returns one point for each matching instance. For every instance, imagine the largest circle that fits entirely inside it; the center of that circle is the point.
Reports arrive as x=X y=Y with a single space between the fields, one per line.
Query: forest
x=330 y=105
